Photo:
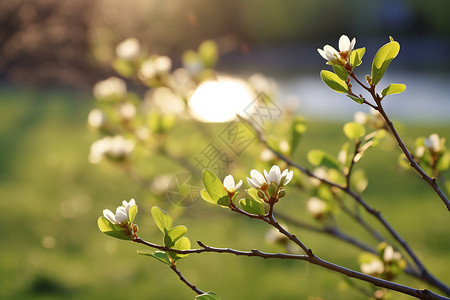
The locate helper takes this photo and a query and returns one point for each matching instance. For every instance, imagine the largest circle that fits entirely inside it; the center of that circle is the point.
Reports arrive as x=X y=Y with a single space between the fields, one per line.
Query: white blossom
x=391 y=255
x=121 y=214
x=335 y=57
x=229 y=184
x=316 y=206
x=127 y=111
x=111 y=87
x=96 y=118
x=433 y=143
x=373 y=268
x=129 y=49
x=275 y=176
x=116 y=147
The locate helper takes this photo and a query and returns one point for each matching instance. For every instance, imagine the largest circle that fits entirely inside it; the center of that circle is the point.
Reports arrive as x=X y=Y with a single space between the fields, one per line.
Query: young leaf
x=356 y=56
x=173 y=235
x=334 y=82
x=354 y=131
x=132 y=213
x=209 y=53
x=254 y=194
x=393 y=88
x=205 y=195
x=382 y=60
x=356 y=99
x=208 y=296
x=111 y=229
x=252 y=206
x=340 y=71
x=298 y=128
x=321 y=158
x=159 y=255
x=181 y=244
x=213 y=185
x=162 y=219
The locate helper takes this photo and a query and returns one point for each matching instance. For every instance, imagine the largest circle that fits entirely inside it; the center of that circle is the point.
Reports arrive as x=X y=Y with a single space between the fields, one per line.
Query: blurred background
x=52 y=52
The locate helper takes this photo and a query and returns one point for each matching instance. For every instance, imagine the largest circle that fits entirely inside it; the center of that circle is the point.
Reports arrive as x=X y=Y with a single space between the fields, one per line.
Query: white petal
x=238 y=185
x=228 y=182
x=274 y=175
x=352 y=44
x=252 y=183
x=322 y=53
x=288 y=177
x=257 y=177
x=109 y=215
x=344 y=43
x=121 y=215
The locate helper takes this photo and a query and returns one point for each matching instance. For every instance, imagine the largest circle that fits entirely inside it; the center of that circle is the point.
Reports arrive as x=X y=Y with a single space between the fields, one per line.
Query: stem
x=311 y=258
x=182 y=278
x=431 y=181
x=424 y=274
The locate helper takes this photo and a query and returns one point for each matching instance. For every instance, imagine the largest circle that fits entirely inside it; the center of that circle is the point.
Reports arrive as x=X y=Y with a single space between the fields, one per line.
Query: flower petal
x=252 y=183
x=238 y=185
x=344 y=43
x=228 y=182
x=274 y=175
x=109 y=215
x=257 y=177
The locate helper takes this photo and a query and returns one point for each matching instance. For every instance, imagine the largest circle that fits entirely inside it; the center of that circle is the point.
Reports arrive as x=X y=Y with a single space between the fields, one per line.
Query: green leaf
x=356 y=56
x=173 y=235
x=213 y=185
x=112 y=230
x=382 y=60
x=356 y=99
x=181 y=244
x=252 y=206
x=354 y=131
x=159 y=255
x=443 y=162
x=298 y=128
x=205 y=195
x=162 y=219
x=321 y=158
x=208 y=53
x=393 y=88
x=208 y=296
x=254 y=194
x=123 y=68
x=132 y=213
x=340 y=71
x=334 y=82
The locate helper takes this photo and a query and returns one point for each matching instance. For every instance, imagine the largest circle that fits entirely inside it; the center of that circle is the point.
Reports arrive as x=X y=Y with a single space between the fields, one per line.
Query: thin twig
x=182 y=278
x=311 y=258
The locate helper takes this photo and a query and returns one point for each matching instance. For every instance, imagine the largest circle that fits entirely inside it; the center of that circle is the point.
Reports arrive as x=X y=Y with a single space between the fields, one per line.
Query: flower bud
x=261 y=194
x=281 y=193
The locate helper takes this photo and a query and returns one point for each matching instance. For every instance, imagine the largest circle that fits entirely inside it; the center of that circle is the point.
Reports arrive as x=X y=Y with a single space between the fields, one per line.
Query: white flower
x=121 y=214
x=360 y=117
x=316 y=206
x=258 y=181
x=390 y=255
x=111 y=87
x=128 y=49
x=116 y=147
x=96 y=118
x=373 y=268
x=127 y=111
x=162 y=64
x=164 y=101
x=335 y=57
x=433 y=143
x=230 y=186
x=155 y=66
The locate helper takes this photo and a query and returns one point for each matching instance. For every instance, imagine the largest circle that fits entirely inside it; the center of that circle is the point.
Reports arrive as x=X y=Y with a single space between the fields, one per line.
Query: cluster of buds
x=116 y=148
x=388 y=264
x=270 y=186
x=123 y=218
x=374 y=119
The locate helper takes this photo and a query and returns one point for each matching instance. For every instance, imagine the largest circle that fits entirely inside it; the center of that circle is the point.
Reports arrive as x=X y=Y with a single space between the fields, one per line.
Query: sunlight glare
x=219 y=101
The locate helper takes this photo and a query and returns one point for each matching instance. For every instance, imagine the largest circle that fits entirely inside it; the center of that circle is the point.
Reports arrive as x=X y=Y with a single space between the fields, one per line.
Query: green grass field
x=51 y=247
